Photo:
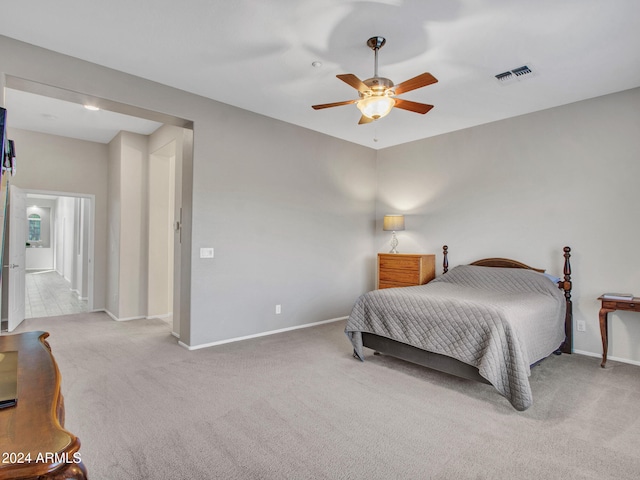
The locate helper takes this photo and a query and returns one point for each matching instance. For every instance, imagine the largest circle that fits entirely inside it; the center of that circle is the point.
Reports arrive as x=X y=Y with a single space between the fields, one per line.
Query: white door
x=17 y=254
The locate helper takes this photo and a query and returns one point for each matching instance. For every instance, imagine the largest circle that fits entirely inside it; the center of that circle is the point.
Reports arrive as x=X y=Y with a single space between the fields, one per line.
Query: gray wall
x=290 y=215
x=290 y=212
x=525 y=187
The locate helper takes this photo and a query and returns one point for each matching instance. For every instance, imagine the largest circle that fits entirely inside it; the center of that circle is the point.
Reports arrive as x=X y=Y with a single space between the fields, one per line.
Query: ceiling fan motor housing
x=379 y=86
x=376 y=43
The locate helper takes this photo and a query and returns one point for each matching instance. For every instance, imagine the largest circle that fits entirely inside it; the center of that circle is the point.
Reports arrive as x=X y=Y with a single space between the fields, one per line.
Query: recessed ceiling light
x=316 y=64
x=93 y=108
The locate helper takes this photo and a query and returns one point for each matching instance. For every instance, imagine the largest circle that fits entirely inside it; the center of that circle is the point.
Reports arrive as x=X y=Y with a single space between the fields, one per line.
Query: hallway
x=49 y=294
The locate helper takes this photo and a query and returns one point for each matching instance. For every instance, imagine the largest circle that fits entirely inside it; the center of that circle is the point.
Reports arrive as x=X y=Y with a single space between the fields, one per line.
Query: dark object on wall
x=9 y=164
x=3 y=133
x=7 y=147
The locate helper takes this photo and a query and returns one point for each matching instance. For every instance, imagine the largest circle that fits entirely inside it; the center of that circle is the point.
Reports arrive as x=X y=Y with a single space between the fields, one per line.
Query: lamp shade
x=393 y=223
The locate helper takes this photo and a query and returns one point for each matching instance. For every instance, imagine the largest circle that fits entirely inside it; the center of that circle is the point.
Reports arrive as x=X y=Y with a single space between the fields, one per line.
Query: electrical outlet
x=278 y=309
x=206 y=253
x=581 y=326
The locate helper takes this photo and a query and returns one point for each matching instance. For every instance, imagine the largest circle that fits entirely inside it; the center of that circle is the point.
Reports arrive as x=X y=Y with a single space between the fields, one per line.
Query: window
x=34 y=227
x=38 y=227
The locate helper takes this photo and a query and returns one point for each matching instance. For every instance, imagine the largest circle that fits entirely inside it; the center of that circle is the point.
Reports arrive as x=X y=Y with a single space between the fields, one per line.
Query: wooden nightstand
x=405 y=270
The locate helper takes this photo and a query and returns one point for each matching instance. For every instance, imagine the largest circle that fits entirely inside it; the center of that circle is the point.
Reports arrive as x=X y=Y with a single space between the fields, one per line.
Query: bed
x=489 y=321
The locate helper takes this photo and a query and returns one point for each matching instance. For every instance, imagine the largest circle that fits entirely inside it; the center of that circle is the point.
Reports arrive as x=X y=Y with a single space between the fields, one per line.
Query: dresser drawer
x=630 y=306
x=400 y=263
x=408 y=276
x=617 y=305
x=383 y=284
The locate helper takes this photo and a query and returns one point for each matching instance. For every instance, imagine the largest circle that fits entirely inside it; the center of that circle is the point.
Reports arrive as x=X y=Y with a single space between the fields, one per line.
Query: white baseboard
x=113 y=317
x=256 y=335
x=164 y=315
x=78 y=294
x=175 y=334
x=615 y=359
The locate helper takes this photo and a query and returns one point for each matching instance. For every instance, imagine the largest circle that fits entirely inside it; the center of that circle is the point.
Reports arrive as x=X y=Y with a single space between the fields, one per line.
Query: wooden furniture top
x=33 y=429
x=631 y=302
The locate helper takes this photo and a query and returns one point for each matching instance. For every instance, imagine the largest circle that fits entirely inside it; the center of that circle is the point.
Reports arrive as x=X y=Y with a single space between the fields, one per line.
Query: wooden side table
x=611 y=305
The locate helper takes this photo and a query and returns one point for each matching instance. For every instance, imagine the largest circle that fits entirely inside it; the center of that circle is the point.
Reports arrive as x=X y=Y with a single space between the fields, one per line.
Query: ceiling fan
x=378 y=94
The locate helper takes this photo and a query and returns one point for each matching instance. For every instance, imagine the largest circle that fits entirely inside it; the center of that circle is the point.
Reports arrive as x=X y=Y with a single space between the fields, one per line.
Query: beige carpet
x=297 y=406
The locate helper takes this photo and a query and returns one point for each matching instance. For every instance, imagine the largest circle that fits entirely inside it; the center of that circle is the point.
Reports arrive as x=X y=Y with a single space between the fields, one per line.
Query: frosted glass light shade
x=375 y=107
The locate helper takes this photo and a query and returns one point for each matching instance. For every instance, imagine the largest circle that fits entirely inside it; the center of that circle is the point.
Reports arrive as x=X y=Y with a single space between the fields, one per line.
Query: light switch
x=206 y=253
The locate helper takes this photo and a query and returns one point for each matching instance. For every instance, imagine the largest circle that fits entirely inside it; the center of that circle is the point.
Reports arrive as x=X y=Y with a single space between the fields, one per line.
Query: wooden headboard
x=504 y=263
x=563 y=284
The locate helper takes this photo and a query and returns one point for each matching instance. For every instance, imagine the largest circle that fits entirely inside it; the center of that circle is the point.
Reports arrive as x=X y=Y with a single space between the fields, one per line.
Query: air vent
x=524 y=70
x=514 y=75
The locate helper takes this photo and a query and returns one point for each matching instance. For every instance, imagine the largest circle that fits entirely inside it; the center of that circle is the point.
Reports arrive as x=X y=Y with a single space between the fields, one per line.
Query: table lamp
x=393 y=223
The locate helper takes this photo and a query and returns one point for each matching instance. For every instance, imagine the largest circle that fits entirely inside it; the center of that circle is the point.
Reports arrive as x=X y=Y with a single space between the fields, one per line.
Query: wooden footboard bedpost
x=445 y=262
x=565 y=285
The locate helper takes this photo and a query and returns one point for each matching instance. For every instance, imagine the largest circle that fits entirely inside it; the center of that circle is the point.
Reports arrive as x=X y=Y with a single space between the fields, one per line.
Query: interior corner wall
x=113 y=230
x=524 y=188
x=128 y=164
x=168 y=135
x=161 y=232
x=59 y=164
x=65 y=228
x=83 y=253
x=160 y=238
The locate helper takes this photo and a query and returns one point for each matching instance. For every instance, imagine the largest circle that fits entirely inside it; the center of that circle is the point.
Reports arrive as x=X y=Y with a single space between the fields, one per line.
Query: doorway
x=179 y=269
x=58 y=264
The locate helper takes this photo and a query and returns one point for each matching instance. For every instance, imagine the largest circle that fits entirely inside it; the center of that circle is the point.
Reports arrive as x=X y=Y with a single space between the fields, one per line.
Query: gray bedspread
x=500 y=320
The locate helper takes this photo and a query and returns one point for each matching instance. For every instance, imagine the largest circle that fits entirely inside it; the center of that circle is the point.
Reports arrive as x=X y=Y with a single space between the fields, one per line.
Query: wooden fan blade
x=364 y=119
x=415 y=82
x=329 y=105
x=412 y=106
x=354 y=81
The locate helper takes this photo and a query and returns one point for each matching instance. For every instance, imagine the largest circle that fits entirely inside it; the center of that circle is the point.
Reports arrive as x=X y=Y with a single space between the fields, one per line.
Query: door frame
x=15 y=273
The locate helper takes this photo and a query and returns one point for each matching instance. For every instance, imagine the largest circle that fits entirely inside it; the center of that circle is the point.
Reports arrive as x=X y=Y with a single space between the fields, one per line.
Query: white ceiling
x=58 y=117
x=258 y=54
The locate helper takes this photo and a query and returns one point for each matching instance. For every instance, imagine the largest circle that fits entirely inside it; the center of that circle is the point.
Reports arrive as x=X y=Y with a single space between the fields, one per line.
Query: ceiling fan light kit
x=375 y=107
x=377 y=94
